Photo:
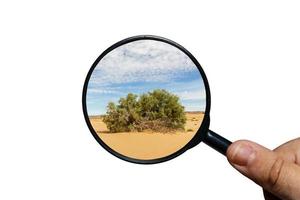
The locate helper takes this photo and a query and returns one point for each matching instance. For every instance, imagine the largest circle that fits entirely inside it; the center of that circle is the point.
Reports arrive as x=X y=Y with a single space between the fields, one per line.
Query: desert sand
x=148 y=144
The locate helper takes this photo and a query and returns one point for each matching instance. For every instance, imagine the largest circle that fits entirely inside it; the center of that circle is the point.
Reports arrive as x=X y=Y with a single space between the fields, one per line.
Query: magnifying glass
x=146 y=100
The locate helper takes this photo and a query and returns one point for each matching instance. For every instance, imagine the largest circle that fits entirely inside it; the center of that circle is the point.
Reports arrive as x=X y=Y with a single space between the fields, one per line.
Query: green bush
x=158 y=110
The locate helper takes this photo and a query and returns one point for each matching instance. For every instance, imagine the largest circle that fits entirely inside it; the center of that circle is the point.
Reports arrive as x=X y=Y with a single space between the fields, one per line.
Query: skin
x=277 y=171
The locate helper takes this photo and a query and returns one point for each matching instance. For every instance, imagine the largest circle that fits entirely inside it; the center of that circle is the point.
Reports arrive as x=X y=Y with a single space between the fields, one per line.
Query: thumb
x=266 y=168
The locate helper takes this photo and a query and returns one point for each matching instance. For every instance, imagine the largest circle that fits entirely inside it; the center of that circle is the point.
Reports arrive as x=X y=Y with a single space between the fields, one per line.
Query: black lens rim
x=197 y=137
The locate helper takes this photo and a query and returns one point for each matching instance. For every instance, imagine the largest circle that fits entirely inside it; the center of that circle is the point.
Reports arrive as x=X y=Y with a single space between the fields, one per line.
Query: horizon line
x=97 y=115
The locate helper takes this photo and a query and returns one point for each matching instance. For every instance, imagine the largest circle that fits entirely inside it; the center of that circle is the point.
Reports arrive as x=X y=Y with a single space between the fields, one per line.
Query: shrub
x=156 y=110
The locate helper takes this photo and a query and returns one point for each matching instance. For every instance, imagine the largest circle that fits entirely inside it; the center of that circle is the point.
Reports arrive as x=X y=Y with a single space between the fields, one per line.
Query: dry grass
x=148 y=144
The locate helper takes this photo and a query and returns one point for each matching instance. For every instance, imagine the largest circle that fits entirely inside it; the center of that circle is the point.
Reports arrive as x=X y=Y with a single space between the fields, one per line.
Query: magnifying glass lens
x=145 y=99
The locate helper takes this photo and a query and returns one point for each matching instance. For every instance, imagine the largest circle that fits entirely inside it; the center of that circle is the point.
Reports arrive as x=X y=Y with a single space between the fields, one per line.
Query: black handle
x=216 y=141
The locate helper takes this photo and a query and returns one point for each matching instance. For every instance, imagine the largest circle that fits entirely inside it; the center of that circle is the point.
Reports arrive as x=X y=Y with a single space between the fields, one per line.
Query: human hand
x=277 y=171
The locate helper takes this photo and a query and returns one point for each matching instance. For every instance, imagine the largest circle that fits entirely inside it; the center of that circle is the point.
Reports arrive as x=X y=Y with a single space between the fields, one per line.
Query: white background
x=249 y=51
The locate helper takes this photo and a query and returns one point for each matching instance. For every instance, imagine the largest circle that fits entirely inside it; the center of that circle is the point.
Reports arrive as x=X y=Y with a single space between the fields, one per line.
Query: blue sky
x=142 y=66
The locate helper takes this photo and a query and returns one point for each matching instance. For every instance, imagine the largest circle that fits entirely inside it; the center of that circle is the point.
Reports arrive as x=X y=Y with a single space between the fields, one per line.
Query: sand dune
x=147 y=144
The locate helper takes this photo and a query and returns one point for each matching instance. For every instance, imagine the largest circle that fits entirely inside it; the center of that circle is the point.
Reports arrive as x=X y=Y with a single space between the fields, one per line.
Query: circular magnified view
x=145 y=99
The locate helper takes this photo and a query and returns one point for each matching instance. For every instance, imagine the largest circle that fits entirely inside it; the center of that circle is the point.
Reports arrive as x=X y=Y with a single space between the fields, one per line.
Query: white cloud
x=191 y=95
x=102 y=91
x=144 y=60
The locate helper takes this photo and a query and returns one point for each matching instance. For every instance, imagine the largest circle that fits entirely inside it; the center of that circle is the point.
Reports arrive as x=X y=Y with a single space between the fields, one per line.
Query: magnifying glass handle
x=216 y=141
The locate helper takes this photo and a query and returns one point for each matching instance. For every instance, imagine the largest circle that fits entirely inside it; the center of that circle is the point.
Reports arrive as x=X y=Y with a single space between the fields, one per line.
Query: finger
x=266 y=168
x=290 y=151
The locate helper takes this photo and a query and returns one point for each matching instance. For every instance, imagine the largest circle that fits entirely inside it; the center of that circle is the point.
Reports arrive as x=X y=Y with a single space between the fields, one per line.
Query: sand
x=147 y=144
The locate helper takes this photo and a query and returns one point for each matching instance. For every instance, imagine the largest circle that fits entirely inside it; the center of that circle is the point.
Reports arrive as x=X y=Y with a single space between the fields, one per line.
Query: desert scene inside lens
x=146 y=99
